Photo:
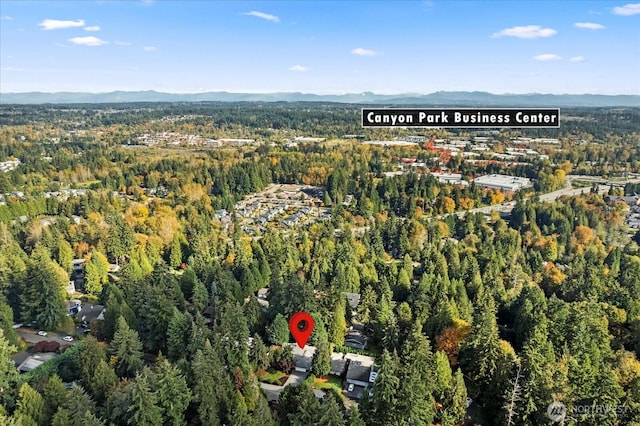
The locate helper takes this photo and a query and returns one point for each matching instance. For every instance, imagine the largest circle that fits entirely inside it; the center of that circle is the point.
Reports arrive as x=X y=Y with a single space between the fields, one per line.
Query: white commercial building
x=503 y=182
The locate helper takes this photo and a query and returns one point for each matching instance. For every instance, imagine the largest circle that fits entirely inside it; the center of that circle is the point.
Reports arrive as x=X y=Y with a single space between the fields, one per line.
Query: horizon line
x=315 y=93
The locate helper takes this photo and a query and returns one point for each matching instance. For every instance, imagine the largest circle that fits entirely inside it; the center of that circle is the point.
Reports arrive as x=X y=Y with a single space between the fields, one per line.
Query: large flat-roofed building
x=503 y=182
x=451 y=178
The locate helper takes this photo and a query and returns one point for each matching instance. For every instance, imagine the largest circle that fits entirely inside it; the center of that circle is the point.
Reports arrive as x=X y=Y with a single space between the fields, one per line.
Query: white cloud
x=7 y=18
x=589 y=26
x=364 y=52
x=88 y=41
x=54 y=24
x=150 y=48
x=577 y=59
x=92 y=28
x=547 y=57
x=627 y=9
x=263 y=15
x=299 y=68
x=527 y=31
x=122 y=43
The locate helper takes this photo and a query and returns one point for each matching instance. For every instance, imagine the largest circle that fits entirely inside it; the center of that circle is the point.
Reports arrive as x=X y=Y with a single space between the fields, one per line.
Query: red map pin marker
x=301 y=325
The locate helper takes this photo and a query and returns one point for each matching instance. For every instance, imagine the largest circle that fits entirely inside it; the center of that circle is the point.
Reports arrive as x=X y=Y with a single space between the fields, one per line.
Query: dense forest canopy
x=513 y=312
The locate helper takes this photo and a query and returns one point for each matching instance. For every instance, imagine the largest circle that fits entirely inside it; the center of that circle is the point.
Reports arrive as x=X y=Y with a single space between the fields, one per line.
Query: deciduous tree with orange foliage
x=450 y=339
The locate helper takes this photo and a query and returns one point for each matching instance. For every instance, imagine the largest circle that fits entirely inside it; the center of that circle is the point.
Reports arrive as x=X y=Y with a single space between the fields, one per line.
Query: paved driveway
x=30 y=335
x=296 y=378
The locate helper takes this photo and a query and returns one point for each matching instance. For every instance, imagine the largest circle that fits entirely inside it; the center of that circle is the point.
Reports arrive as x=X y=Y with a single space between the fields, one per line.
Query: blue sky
x=321 y=47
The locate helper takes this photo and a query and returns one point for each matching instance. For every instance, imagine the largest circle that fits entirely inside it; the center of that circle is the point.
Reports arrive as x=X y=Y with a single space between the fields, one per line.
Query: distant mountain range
x=468 y=99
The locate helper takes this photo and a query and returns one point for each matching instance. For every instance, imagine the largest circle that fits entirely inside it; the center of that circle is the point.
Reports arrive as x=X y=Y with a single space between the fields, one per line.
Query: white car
x=42 y=333
x=67 y=339
x=351 y=387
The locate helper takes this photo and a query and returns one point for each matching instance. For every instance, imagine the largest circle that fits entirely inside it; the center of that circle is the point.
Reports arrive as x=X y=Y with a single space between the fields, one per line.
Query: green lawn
x=274 y=377
x=329 y=382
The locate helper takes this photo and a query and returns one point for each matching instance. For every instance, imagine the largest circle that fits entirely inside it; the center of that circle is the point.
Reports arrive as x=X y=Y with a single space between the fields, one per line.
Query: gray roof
x=302 y=358
x=355 y=339
x=30 y=364
x=360 y=367
x=338 y=363
x=90 y=312
x=353 y=299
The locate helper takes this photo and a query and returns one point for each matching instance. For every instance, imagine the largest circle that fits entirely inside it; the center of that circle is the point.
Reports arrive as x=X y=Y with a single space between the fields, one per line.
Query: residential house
x=338 y=364
x=302 y=357
x=355 y=339
x=361 y=374
x=91 y=312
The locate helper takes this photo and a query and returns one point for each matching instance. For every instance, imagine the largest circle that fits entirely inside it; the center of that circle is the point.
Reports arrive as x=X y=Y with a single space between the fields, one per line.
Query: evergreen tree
x=332 y=413
x=127 y=349
x=188 y=281
x=64 y=255
x=43 y=298
x=115 y=307
x=262 y=414
x=79 y=405
x=454 y=412
x=104 y=379
x=6 y=324
x=9 y=377
x=321 y=365
x=30 y=409
x=116 y=408
x=96 y=273
x=238 y=414
x=259 y=353
x=382 y=408
x=480 y=352
x=234 y=336
x=254 y=315
x=211 y=385
x=61 y=418
x=279 y=330
x=120 y=240
x=90 y=356
x=298 y=406
x=338 y=324
x=177 y=335
x=537 y=377
x=415 y=398
x=486 y=359
x=171 y=391
x=200 y=297
x=353 y=417
x=144 y=403
x=55 y=395
x=175 y=253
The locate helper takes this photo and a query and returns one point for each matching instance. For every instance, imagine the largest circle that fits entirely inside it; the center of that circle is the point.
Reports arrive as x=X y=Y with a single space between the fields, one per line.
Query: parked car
x=351 y=387
x=42 y=333
x=67 y=339
x=87 y=331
